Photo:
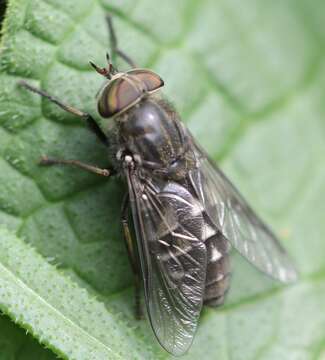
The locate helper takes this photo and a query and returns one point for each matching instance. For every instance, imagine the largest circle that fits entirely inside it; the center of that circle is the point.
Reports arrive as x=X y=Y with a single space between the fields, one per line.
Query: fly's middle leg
x=45 y=161
x=132 y=256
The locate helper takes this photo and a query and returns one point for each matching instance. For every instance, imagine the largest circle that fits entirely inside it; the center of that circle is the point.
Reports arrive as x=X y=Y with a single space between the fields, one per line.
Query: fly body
x=153 y=137
x=186 y=213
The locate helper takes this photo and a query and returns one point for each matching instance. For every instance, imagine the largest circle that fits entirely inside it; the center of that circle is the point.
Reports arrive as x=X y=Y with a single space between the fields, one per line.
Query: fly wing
x=169 y=225
x=237 y=221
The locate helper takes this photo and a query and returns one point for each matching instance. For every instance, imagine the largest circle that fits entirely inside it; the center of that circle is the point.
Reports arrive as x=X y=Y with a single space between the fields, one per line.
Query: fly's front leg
x=93 y=126
x=132 y=256
x=45 y=161
x=114 y=44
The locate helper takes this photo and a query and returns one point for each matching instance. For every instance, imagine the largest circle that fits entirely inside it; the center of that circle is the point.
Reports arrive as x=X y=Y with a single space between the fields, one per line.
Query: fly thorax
x=150 y=133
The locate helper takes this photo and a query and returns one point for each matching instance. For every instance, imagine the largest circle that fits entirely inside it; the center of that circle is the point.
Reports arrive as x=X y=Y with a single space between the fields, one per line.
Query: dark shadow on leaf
x=3 y=7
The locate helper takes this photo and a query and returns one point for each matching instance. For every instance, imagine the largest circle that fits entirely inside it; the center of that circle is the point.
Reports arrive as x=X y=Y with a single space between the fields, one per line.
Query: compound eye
x=150 y=80
x=123 y=92
x=118 y=95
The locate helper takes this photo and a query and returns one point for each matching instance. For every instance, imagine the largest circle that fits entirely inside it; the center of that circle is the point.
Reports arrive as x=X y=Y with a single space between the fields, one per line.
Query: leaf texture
x=248 y=79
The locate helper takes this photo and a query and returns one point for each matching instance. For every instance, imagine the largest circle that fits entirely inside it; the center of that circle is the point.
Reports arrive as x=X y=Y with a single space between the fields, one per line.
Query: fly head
x=124 y=89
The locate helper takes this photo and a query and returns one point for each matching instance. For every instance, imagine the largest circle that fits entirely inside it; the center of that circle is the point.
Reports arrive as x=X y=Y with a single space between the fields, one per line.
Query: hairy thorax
x=151 y=134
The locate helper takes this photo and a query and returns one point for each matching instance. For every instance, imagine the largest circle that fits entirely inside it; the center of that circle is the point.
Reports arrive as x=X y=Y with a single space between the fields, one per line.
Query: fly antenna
x=113 y=70
x=105 y=71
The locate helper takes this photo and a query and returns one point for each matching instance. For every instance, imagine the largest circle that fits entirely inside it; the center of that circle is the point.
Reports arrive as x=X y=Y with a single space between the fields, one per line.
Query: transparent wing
x=169 y=225
x=237 y=221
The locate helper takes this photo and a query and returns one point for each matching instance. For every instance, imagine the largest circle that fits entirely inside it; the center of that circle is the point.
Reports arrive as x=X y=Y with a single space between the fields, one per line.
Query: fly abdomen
x=218 y=270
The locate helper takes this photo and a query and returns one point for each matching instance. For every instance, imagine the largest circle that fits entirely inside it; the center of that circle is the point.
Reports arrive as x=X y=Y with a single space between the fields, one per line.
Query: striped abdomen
x=218 y=270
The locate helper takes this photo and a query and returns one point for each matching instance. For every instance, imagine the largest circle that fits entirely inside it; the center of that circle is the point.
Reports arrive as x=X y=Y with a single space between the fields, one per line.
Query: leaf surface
x=248 y=79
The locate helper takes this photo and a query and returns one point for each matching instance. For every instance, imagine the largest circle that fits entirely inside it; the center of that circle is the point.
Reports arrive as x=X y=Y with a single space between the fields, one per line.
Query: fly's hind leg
x=114 y=43
x=132 y=256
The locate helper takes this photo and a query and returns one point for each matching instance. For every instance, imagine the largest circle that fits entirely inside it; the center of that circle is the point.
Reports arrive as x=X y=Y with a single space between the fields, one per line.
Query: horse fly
x=186 y=213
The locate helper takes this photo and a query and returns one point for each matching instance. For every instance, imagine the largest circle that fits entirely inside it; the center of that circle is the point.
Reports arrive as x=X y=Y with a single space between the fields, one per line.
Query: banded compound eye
x=150 y=80
x=126 y=90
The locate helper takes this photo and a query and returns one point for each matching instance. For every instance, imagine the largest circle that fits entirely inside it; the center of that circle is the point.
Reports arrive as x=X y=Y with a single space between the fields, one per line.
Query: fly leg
x=93 y=126
x=45 y=161
x=132 y=256
x=114 y=43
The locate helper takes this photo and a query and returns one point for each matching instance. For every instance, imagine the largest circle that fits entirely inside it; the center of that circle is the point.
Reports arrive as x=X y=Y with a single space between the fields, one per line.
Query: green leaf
x=248 y=79
x=15 y=344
